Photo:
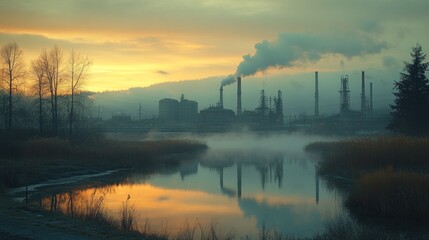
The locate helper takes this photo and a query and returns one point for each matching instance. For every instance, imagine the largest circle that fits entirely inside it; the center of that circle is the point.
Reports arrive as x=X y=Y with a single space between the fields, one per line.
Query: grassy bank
x=354 y=157
x=38 y=159
x=393 y=195
x=388 y=175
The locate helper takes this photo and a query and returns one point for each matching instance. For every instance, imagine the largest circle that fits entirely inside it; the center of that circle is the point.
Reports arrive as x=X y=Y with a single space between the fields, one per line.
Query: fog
x=292 y=144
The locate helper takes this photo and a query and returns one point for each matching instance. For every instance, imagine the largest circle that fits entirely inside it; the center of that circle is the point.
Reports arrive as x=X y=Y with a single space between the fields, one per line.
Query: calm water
x=240 y=185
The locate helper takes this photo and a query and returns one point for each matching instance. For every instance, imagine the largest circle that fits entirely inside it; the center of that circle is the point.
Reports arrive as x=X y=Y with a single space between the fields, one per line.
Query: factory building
x=217 y=116
x=188 y=110
x=171 y=110
x=168 y=109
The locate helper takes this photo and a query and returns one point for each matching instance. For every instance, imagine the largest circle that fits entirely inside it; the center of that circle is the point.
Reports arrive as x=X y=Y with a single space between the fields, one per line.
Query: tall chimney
x=362 y=96
x=221 y=97
x=238 y=96
x=370 y=97
x=316 y=95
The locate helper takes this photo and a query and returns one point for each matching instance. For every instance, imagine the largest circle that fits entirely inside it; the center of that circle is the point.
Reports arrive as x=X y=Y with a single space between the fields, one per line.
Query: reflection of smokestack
x=362 y=96
x=238 y=96
x=221 y=97
x=316 y=95
x=370 y=97
x=317 y=188
x=239 y=179
x=221 y=178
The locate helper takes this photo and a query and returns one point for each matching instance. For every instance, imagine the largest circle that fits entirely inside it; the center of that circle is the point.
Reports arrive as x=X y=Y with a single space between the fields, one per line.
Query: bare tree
x=52 y=64
x=38 y=72
x=11 y=57
x=78 y=66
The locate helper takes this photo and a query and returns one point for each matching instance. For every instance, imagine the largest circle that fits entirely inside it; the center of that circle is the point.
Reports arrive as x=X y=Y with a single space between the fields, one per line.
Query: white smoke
x=291 y=48
x=230 y=79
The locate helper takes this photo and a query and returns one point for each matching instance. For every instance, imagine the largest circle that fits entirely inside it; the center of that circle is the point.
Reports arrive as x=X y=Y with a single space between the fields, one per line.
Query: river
x=242 y=184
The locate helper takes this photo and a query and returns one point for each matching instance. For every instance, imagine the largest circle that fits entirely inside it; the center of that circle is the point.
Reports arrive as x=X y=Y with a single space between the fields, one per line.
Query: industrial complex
x=269 y=115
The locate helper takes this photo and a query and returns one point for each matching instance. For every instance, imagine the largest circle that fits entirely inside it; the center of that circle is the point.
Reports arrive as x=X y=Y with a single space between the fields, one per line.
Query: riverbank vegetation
x=388 y=175
x=34 y=159
x=353 y=157
x=391 y=194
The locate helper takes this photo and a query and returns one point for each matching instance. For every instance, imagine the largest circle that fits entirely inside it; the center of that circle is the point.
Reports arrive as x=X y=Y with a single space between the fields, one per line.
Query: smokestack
x=221 y=97
x=362 y=96
x=316 y=95
x=370 y=97
x=238 y=96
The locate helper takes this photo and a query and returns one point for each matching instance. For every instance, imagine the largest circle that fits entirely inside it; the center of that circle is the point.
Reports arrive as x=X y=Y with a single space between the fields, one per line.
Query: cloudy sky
x=137 y=43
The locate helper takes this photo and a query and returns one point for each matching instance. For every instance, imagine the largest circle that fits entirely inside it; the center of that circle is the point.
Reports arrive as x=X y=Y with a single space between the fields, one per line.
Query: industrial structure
x=344 y=95
x=171 y=110
x=265 y=115
x=363 y=101
x=238 y=96
x=370 y=97
x=268 y=115
x=316 y=94
x=216 y=117
x=221 y=97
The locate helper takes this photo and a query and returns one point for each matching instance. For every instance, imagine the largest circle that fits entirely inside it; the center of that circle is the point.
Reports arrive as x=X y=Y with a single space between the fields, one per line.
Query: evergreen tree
x=410 y=111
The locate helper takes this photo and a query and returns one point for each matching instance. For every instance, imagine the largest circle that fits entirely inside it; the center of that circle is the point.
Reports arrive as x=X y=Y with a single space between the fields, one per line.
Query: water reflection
x=238 y=189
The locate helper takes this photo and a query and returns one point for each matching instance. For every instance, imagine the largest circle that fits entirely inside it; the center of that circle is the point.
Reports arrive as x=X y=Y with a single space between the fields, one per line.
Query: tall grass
x=273 y=234
x=387 y=176
x=127 y=216
x=342 y=227
x=104 y=151
x=395 y=195
x=354 y=157
x=38 y=159
x=92 y=208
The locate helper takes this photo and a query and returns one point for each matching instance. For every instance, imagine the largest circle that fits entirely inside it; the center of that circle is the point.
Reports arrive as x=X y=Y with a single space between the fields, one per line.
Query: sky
x=138 y=43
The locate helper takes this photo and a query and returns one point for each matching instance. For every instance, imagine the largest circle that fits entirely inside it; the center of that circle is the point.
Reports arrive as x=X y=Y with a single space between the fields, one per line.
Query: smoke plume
x=230 y=79
x=291 y=48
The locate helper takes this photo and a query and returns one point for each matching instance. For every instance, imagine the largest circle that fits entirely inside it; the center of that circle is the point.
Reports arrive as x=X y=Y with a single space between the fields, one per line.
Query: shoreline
x=50 y=165
x=78 y=179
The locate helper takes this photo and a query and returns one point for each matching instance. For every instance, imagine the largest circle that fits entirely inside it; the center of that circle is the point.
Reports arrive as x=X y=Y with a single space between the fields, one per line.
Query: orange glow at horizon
x=121 y=62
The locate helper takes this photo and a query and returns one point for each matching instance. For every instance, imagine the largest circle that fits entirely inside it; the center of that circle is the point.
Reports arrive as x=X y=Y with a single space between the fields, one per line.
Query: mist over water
x=292 y=144
x=244 y=181
x=242 y=140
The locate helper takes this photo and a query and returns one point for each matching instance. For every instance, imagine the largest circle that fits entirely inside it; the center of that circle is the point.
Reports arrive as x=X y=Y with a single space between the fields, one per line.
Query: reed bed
x=353 y=157
x=37 y=159
x=392 y=195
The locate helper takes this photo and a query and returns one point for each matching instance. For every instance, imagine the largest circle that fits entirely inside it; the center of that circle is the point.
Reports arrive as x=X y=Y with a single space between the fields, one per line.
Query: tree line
x=410 y=111
x=54 y=99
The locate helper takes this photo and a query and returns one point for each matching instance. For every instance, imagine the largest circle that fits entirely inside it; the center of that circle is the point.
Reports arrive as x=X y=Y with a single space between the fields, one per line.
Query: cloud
x=162 y=72
x=391 y=63
x=370 y=26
